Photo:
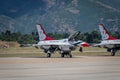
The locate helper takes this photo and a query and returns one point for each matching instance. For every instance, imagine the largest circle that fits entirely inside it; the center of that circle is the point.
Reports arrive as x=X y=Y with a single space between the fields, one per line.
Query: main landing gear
x=48 y=54
x=63 y=54
x=113 y=51
x=66 y=53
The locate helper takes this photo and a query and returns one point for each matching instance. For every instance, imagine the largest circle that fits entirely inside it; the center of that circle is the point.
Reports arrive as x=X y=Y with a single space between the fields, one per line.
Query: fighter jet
x=111 y=43
x=65 y=46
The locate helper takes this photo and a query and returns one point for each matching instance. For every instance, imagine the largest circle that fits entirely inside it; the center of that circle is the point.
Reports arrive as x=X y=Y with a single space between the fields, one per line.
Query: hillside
x=59 y=15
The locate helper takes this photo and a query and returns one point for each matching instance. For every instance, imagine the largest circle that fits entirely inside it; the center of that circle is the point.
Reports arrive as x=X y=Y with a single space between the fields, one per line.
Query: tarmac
x=76 y=68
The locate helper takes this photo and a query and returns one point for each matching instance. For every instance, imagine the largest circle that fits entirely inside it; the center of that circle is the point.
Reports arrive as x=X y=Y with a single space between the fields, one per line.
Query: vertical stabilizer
x=105 y=34
x=42 y=34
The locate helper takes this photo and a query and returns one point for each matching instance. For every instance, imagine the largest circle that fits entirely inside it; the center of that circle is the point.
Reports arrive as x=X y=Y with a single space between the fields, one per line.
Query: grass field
x=33 y=52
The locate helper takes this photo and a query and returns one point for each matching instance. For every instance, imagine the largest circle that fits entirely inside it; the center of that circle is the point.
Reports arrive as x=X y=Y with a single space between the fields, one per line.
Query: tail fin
x=42 y=34
x=105 y=34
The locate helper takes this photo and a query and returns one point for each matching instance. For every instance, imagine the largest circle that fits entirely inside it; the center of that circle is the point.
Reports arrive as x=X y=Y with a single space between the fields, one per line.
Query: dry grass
x=5 y=44
x=33 y=52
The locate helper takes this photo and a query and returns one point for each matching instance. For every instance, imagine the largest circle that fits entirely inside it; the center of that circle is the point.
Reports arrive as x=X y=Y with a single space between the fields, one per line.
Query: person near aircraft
x=81 y=49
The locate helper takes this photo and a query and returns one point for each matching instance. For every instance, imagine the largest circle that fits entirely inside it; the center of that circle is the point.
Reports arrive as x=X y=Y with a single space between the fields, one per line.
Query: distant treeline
x=90 y=37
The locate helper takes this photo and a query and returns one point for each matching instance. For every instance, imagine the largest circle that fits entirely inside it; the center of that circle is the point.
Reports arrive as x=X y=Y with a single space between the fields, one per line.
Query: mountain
x=59 y=15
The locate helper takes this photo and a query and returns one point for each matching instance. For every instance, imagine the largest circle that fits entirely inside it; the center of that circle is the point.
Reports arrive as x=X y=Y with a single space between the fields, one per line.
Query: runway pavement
x=76 y=68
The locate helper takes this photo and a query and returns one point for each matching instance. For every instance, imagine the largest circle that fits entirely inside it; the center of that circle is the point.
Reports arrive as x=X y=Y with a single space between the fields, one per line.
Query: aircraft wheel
x=113 y=54
x=70 y=55
x=48 y=55
x=62 y=55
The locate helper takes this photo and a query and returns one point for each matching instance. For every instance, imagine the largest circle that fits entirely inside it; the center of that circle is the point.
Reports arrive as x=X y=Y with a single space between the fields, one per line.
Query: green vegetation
x=17 y=36
x=91 y=37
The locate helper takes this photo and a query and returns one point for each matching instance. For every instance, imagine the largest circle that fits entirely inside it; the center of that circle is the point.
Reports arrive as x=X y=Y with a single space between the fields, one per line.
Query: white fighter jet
x=111 y=43
x=65 y=46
